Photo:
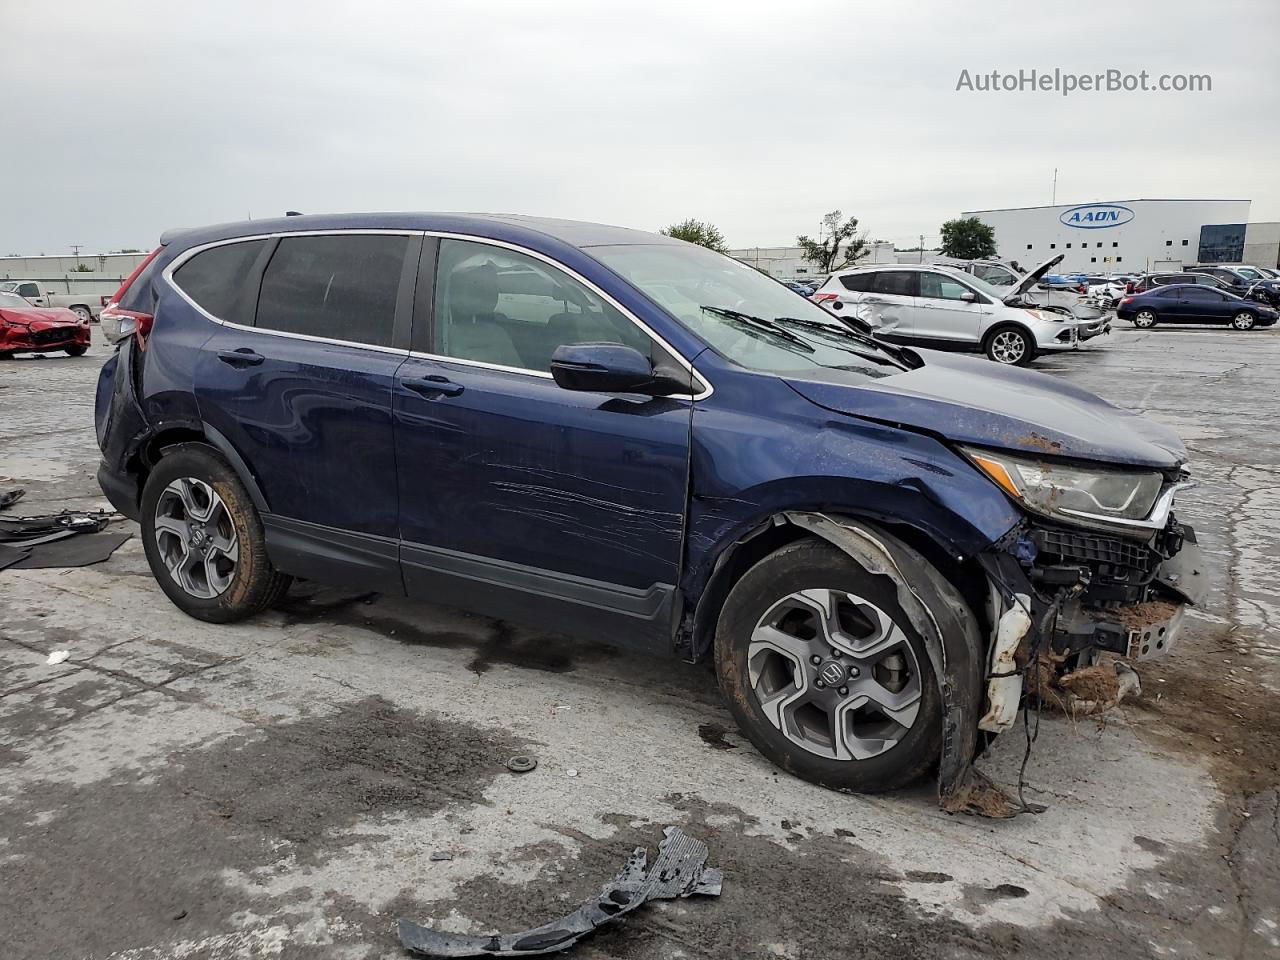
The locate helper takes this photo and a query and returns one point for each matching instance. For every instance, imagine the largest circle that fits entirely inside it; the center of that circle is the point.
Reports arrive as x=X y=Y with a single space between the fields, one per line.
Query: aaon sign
x=1096 y=216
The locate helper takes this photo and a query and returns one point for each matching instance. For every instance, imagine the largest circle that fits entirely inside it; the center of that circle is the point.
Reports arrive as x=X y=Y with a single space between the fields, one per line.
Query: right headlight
x=1088 y=495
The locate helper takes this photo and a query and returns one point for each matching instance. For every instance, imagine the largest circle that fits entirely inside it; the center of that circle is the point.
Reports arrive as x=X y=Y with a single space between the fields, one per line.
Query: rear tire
x=1010 y=346
x=879 y=726
x=1145 y=319
x=84 y=313
x=1244 y=320
x=204 y=540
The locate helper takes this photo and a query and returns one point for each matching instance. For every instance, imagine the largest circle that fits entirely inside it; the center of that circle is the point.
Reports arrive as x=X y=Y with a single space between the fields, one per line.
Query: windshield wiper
x=848 y=333
x=759 y=323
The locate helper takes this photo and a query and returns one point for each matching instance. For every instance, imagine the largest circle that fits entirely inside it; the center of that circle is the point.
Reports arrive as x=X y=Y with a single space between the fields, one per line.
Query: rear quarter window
x=215 y=280
x=857 y=282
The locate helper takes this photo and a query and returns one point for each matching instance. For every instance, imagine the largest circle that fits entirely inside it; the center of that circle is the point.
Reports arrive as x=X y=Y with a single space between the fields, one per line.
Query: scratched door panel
x=517 y=469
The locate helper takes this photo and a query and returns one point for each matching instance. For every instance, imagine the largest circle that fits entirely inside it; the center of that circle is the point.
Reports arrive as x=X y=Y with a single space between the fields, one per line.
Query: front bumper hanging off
x=1070 y=594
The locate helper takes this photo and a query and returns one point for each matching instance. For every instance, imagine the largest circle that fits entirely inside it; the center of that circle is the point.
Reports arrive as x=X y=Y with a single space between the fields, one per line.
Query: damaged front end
x=1062 y=595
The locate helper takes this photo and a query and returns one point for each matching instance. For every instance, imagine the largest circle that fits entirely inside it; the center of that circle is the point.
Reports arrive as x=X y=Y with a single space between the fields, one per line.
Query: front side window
x=500 y=307
x=938 y=287
x=339 y=287
x=214 y=279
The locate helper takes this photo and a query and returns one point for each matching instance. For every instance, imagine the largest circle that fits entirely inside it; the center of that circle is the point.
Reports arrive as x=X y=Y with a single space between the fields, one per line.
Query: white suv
x=948 y=309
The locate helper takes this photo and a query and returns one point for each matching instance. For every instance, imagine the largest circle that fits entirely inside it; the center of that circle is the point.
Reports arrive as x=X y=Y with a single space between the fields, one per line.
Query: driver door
x=948 y=310
x=519 y=498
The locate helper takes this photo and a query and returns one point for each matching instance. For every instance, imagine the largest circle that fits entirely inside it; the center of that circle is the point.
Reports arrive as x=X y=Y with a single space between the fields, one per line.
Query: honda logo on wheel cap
x=831 y=673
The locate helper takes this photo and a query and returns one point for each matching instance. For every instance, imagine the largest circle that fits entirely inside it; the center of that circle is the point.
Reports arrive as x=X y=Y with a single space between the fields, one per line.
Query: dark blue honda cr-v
x=619 y=435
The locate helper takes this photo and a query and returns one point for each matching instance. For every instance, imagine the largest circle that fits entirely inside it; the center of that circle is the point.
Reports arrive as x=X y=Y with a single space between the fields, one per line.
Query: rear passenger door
x=889 y=306
x=298 y=379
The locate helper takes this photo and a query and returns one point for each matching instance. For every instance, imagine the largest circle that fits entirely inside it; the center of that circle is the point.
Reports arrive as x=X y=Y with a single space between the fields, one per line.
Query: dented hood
x=973 y=401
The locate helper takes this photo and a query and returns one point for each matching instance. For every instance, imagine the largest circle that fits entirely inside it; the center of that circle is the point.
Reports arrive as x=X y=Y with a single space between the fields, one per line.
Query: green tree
x=841 y=244
x=82 y=268
x=968 y=239
x=696 y=231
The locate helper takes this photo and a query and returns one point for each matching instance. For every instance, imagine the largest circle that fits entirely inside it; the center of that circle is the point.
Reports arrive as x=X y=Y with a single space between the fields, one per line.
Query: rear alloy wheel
x=1010 y=346
x=203 y=538
x=1144 y=319
x=1243 y=320
x=824 y=674
x=83 y=313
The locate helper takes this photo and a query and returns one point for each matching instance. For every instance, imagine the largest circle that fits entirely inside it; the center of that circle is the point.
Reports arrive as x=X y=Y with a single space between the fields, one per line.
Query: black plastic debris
x=34 y=542
x=9 y=497
x=679 y=871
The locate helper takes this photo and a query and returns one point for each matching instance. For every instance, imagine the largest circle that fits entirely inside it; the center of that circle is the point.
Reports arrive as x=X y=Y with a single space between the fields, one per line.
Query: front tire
x=866 y=716
x=204 y=540
x=78 y=351
x=1244 y=320
x=1010 y=346
x=1144 y=319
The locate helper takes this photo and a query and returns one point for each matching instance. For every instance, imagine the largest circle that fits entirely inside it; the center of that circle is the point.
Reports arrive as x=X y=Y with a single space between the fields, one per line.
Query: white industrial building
x=1122 y=235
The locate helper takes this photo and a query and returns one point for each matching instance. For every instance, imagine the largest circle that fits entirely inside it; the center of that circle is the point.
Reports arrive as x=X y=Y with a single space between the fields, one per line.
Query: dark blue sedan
x=1194 y=303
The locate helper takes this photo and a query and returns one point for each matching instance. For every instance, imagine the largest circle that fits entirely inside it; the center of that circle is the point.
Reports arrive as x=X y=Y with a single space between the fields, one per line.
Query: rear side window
x=898 y=283
x=337 y=287
x=857 y=282
x=215 y=278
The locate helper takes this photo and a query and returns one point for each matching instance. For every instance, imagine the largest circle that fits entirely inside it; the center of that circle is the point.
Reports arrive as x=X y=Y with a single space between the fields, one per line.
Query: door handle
x=434 y=386
x=243 y=357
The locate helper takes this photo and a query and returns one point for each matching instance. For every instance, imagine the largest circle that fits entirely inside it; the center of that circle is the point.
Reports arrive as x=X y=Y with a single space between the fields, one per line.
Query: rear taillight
x=1128 y=287
x=1082 y=289
x=824 y=297
x=1126 y=300
x=118 y=323
x=104 y=300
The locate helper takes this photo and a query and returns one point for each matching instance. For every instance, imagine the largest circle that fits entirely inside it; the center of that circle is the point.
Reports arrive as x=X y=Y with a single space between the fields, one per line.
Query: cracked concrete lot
x=277 y=788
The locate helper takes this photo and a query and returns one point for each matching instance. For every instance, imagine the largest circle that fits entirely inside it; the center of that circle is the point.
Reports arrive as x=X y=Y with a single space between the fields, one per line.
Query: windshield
x=994 y=292
x=12 y=300
x=745 y=316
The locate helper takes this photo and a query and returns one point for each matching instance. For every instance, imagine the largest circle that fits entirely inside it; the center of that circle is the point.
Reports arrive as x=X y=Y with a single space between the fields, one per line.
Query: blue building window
x=1221 y=243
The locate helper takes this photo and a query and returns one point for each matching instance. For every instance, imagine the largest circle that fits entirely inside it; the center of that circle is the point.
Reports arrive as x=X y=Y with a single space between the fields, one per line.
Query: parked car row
x=948 y=308
x=1194 y=303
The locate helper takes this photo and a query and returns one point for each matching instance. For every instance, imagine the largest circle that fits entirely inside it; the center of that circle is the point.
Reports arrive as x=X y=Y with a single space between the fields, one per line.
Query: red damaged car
x=28 y=329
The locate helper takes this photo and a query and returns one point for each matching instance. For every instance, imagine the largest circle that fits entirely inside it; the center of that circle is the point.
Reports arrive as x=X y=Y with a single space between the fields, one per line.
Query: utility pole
x=75 y=249
x=922 y=248
x=1054 y=201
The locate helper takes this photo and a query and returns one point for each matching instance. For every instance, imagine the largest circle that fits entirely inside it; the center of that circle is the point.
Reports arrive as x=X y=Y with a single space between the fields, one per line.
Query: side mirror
x=968 y=296
x=609 y=368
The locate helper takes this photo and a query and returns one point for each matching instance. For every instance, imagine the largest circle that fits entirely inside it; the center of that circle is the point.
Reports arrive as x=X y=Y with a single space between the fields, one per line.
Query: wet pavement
x=277 y=788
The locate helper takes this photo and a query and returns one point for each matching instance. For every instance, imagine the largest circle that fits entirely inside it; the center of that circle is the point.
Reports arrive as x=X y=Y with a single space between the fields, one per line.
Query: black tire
x=255 y=584
x=994 y=346
x=810 y=565
x=1243 y=320
x=77 y=351
x=1145 y=319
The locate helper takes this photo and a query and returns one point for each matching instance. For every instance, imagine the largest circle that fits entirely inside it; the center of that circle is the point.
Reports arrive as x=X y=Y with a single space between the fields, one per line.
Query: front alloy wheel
x=1242 y=320
x=1010 y=347
x=196 y=538
x=834 y=674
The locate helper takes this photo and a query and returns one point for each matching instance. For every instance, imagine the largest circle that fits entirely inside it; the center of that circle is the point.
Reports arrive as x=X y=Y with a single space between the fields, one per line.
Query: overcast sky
x=124 y=119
